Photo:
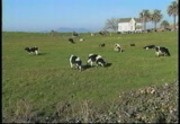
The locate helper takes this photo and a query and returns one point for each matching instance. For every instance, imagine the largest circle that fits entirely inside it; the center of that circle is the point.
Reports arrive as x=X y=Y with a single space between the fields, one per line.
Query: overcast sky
x=45 y=15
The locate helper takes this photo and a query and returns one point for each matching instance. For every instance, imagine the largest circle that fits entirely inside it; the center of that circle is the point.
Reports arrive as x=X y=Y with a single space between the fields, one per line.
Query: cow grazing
x=100 y=61
x=103 y=33
x=161 y=51
x=92 y=59
x=75 y=62
x=92 y=34
x=102 y=45
x=81 y=39
x=75 y=34
x=118 y=48
x=95 y=58
x=32 y=50
x=149 y=47
x=71 y=40
x=132 y=44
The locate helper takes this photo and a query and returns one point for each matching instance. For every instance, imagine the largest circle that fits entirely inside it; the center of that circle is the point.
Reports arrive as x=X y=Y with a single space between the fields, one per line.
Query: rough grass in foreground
x=155 y=104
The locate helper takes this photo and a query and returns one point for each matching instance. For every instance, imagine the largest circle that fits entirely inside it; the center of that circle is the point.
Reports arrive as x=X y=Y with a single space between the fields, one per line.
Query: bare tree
x=111 y=24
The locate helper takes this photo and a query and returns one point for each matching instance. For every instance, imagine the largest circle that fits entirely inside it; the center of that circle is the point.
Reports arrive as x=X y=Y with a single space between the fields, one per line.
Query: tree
x=156 y=17
x=164 y=24
x=173 y=11
x=112 y=24
x=145 y=16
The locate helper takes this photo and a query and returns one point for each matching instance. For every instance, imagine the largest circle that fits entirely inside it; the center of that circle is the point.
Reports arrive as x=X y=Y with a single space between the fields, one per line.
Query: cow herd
x=76 y=62
x=98 y=60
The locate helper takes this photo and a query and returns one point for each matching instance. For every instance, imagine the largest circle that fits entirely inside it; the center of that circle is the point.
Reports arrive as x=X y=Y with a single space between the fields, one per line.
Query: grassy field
x=47 y=79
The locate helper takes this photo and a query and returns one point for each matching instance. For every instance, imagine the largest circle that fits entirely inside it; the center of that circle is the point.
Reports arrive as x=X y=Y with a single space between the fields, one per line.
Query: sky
x=47 y=15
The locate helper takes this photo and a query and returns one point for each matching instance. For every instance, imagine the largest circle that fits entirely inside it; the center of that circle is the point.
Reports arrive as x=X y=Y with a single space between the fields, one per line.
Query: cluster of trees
x=146 y=16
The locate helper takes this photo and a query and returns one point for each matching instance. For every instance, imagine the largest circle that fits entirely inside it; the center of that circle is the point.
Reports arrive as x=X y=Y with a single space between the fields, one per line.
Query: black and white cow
x=95 y=58
x=102 y=45
x=103 y=33
x=100 y=61
x=75 y=62
x=75 y=34
x=161 y=51
x=33 y=50
x=149 y=47
x=132 y=44
x=92 y=34
x=81 y=39
x=118 y=48
x=92 y=59
x=71 y=40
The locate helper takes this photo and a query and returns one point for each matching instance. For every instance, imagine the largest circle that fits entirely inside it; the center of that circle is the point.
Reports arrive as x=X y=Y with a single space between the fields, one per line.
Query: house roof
x=128 y=19
x=124 y=19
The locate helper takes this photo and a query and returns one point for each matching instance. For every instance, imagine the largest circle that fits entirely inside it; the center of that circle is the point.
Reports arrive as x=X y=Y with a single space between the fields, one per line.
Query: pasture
x=47 y=79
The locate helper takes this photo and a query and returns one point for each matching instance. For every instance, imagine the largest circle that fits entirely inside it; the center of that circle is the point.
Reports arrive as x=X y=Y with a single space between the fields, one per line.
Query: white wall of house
x=128 y=26
x=132 y=24
x=122 y=27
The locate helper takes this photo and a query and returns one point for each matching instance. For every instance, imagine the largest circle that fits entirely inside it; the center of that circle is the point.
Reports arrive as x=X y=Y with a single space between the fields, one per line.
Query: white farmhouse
x=129 y=25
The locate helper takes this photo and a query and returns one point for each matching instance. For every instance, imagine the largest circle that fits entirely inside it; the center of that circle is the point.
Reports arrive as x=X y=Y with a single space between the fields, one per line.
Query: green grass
x=47 y=79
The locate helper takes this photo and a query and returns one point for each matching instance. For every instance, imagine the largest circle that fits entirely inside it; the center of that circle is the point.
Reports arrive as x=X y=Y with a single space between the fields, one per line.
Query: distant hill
x=67 y=29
